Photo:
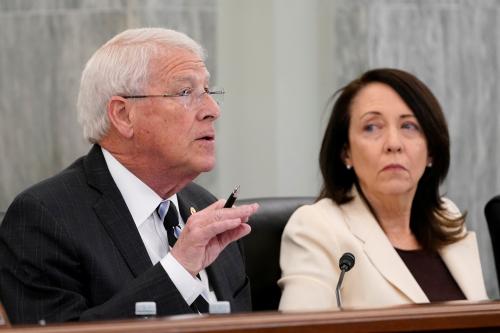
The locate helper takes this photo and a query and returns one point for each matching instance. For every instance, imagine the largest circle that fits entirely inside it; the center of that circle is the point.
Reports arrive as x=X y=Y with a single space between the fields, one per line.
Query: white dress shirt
x=142 y=202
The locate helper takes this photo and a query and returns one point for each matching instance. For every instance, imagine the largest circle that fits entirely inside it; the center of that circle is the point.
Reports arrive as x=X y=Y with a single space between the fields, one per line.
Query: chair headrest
x=275 y=211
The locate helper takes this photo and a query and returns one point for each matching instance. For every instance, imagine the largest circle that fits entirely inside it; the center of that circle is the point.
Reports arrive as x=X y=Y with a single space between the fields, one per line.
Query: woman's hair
x=122 y=67
x=430 y=222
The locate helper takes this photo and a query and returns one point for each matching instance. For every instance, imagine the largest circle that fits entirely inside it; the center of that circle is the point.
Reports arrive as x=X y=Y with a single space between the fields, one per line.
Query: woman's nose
x=393 y=142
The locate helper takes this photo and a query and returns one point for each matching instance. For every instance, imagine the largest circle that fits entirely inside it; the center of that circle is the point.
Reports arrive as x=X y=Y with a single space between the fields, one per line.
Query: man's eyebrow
x=189 y=78
x=183 y=78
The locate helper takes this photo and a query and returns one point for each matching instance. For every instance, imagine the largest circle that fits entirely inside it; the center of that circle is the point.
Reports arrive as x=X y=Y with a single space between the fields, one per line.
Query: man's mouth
x=207 y=137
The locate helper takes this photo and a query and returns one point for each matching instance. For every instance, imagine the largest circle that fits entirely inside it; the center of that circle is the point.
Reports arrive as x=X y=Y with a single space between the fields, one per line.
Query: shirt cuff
x=190 y=287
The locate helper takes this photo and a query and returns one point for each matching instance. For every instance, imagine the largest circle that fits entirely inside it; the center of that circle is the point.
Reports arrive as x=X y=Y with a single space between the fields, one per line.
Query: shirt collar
x=140 y=199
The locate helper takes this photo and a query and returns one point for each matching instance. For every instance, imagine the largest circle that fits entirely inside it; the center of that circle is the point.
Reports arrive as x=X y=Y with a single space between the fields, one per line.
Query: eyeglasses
x=188 y=97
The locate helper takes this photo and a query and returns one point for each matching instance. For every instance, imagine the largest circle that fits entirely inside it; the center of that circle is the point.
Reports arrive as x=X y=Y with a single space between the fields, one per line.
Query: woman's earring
x=348 y=166
x=429 y=164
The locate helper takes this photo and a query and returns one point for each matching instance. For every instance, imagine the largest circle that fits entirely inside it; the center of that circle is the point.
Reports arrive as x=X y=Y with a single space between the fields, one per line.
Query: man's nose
x=209 y=107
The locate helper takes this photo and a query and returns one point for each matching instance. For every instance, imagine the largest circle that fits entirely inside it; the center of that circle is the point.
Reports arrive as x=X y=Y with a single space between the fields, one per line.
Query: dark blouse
x=432 y=275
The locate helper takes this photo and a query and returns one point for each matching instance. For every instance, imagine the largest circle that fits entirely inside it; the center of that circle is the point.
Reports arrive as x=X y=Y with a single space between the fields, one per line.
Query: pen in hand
x=232 y=197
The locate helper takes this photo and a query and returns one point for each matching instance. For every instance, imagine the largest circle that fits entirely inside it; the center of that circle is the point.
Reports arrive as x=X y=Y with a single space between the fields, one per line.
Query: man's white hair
x=121 y=67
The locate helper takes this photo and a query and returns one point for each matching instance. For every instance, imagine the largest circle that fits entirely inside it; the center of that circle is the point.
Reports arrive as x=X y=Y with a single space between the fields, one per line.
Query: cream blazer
x=317 y=235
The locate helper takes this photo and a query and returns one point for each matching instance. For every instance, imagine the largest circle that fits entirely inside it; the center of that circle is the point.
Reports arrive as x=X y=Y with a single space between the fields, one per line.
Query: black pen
x=232 y=197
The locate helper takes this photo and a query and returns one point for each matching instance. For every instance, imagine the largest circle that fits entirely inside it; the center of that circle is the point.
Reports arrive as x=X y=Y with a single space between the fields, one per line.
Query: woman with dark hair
x=384 y=154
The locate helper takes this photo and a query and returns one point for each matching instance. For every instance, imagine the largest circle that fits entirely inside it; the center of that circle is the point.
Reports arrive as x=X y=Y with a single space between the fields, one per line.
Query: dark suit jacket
x=70 y=250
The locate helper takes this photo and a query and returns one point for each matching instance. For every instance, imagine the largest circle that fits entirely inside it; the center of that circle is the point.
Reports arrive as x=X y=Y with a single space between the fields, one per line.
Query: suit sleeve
x=41 y=275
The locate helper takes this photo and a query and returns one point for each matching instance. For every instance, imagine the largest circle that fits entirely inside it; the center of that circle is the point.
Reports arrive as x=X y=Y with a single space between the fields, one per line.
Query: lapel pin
x=192 y=210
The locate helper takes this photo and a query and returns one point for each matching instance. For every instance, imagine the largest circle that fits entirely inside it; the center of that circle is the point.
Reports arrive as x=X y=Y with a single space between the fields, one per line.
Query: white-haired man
x=102 y=235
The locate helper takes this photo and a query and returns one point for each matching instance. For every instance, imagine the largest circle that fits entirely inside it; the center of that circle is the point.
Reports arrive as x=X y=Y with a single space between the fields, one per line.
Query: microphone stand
x=346 y=262
x=337 y=290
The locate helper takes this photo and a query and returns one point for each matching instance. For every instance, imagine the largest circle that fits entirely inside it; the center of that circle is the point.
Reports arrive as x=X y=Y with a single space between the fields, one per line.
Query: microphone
x=346 y=262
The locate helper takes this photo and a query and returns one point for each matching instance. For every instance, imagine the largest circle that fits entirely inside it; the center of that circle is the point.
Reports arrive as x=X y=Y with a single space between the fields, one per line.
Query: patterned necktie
x=170 y=220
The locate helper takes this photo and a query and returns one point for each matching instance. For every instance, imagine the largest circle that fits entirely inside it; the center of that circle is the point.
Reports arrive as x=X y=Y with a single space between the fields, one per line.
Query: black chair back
x=262 y=247
x=492 y=213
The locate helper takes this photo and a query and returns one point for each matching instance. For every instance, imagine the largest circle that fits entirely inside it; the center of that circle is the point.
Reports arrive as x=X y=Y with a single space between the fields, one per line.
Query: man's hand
x=208 y=232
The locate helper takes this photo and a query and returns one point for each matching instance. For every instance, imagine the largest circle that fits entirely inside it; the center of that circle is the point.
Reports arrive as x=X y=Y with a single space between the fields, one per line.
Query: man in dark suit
x=102 y=235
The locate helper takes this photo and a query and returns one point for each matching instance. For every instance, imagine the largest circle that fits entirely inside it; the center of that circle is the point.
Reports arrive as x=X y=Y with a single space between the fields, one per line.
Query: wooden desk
x=476 y=317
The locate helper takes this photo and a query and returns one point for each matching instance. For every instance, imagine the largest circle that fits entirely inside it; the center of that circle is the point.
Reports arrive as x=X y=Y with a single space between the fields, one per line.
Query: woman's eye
x=369 y=127
x=410 y=126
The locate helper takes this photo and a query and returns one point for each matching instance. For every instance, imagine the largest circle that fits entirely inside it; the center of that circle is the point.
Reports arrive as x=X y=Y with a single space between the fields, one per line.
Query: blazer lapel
x=462 y=259
x=379 y=249
x=216 y=272
x=114 y=214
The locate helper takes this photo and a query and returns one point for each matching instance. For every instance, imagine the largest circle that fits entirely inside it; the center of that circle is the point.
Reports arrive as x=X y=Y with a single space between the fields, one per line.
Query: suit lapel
x=216 y=272
x=462 y=260
x=114 y=214
x=379 y=250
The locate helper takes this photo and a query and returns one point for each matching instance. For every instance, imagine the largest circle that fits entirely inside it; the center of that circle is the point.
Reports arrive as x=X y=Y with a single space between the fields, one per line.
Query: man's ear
x=119 y=116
